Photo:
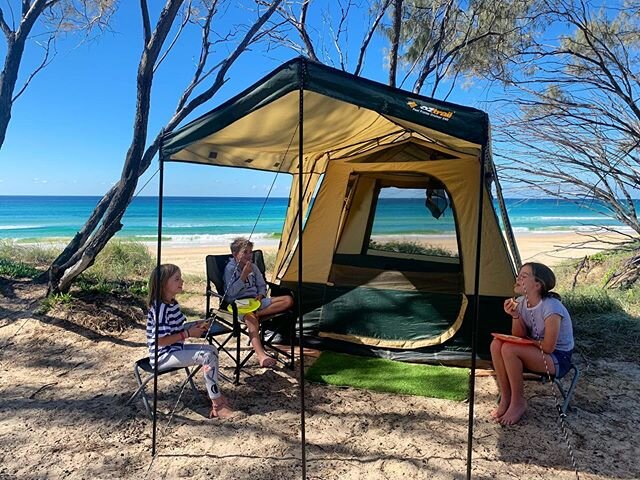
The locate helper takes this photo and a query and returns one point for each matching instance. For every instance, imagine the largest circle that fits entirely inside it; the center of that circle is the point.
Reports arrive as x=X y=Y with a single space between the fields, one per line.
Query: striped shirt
x=171 y=322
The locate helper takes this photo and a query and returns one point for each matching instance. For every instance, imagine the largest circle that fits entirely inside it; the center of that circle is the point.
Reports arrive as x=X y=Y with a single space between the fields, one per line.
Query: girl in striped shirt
x=172 y=331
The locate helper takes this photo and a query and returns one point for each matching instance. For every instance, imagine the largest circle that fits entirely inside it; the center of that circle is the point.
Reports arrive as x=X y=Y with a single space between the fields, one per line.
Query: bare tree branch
x=369 y=35
x=45 y=61
x=5 y=28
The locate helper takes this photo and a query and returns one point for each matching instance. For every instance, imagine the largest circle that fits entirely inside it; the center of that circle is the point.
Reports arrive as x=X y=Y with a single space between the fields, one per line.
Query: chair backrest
x=217 y=263
x=258 y=259
x=215 y=270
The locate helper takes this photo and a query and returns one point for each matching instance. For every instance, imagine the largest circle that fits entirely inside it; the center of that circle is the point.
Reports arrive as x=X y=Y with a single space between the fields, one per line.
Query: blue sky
x=70 y=130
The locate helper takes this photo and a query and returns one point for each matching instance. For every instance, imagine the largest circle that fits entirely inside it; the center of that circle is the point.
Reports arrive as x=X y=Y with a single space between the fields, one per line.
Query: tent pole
x=301 y=74
x=157 y=299
x=476 y=312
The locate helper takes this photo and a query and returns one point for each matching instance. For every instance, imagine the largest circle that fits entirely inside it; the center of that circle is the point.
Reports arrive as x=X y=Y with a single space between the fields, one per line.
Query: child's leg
x=193 y=354
x=516 y=358
x=277 y=305
x=253 y=326
x=501 y=377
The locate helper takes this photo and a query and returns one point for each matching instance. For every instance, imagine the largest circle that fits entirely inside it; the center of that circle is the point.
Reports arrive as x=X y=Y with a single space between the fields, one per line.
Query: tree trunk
x=105 y=221
x=81 y=252
x=395 y=41
x=627 y=275
x=15 y=49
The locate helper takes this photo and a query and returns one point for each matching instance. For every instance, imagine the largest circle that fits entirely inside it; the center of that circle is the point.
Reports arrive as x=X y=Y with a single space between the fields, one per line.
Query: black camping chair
x=145 y=365
x=572 y=375
x=272 y=329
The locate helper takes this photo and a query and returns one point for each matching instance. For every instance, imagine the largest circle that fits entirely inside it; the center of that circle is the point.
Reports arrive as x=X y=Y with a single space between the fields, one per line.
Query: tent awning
x=343 y=115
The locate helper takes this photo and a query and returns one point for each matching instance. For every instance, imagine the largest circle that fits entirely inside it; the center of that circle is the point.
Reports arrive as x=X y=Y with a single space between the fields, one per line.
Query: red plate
x=513 y=339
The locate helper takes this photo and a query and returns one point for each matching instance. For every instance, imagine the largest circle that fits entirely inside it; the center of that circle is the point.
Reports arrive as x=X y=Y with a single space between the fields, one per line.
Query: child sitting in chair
x=172 y=332
x=243 y=279
x=538 y=314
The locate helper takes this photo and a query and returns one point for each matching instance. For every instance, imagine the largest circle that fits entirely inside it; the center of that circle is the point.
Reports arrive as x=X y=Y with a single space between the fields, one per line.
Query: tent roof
x=343 y=115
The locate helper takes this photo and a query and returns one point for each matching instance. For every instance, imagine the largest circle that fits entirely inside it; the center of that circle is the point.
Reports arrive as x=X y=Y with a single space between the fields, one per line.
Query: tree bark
x=395 y=41
x=105 y=221
x=15 y=49
x=82 y=250
x=627 y=275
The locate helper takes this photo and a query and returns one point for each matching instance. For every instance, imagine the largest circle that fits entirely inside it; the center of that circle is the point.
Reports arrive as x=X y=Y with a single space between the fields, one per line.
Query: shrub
x=58 y=299
x=413 y=248
x=33 y=254
x=17 y=269
x=591 y=299
x=270 y=260
x=121 y=261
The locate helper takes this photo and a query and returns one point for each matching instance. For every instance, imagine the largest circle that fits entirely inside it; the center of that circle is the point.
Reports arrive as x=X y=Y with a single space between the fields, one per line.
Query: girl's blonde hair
x=167 y=270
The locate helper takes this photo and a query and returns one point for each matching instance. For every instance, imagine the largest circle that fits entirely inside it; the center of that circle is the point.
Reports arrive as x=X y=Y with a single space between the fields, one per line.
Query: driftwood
x=584 y=263
x=627 y=275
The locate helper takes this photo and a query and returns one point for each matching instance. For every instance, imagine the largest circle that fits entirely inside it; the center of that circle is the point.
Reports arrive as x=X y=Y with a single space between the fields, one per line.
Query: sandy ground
x=63 y=414
x=549 y=248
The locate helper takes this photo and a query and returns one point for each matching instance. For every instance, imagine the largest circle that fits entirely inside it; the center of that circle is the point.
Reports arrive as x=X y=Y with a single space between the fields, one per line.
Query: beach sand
x=64 y=386
x=550 y=248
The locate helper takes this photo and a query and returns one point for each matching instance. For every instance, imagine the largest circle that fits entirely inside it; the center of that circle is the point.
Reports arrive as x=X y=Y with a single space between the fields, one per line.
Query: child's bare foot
x=500 y=410
x=514 y=413
x=267 y=361
x=221 y=409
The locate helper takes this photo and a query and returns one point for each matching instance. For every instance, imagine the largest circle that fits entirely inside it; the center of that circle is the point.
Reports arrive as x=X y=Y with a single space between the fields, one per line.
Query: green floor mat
x=388 y=376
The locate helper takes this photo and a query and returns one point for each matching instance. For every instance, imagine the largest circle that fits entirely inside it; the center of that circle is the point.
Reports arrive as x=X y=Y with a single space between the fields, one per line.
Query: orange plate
x=513 y=339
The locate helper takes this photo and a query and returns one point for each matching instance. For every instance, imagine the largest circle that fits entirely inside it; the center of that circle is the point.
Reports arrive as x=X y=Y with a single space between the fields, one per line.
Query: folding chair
x=145 y=365
x=567 y=393
x=270 y=328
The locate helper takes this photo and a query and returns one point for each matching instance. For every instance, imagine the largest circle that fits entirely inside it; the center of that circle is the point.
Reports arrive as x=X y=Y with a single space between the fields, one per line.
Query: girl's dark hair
x=167 y=270
x=545 y=277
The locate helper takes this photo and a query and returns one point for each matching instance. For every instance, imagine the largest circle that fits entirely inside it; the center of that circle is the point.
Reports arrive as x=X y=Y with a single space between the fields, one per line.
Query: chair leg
x=572 y=386
x=238 y=365
x=140 y=391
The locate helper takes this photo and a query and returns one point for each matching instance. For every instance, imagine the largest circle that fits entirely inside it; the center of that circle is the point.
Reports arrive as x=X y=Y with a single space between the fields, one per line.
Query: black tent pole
x=476 y=313
x=301 y=73
x=157 y=307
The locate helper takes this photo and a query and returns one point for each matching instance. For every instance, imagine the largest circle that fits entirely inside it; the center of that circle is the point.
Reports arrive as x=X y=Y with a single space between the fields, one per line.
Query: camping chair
x=567 y=393
x=282 y=324
x=145 y=365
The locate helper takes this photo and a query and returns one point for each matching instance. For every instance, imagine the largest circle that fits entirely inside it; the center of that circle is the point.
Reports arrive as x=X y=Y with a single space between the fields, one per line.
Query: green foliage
x=36 y=255
x=121 y=261
x=269 y=261
x=605 y=321
x=461 y=39
x=13 y=269
x=611 y=336
x=591 y=299
x=50 y=302
x=413 y=248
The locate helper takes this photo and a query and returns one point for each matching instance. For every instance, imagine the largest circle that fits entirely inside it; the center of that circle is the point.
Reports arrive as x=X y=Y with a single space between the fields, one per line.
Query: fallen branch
x=32 y=396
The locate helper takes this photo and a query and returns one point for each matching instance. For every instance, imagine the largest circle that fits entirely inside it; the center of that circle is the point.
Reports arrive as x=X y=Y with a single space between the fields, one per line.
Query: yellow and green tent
x=344 y=140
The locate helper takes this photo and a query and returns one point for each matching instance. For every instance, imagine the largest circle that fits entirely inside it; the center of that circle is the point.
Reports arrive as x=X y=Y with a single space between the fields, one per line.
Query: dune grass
x=383 y=375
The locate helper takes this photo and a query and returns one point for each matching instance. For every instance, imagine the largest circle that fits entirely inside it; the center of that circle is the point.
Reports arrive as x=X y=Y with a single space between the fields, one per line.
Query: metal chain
x=561 y=414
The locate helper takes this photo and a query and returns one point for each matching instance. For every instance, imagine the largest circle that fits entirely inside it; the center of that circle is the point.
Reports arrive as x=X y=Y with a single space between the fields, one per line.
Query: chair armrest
x=213 y=293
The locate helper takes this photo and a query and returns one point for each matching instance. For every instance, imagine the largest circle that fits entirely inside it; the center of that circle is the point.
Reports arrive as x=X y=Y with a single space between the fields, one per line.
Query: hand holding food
x=511 y=307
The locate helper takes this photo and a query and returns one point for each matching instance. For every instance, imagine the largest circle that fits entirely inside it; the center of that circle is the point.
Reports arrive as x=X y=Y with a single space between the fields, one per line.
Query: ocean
x=215 y=220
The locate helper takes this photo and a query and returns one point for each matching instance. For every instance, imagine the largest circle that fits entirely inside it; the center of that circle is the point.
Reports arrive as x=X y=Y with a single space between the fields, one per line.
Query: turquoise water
x=216 y=219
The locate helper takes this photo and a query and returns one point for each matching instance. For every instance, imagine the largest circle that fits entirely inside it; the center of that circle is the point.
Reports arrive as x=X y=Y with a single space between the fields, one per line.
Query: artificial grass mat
x=384 y=375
